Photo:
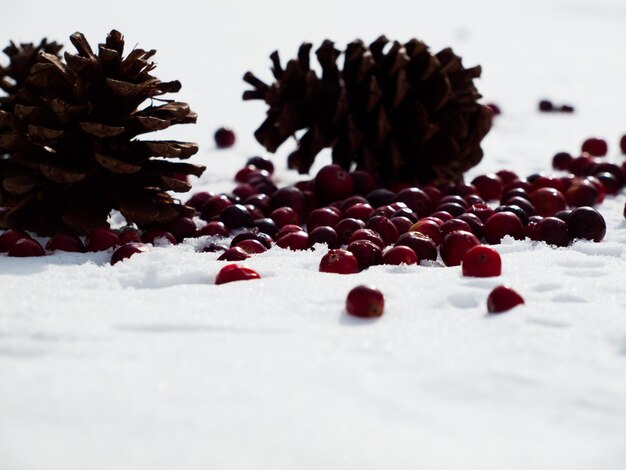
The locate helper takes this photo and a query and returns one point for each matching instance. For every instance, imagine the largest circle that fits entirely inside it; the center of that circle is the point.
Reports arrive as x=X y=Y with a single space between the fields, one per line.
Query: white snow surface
x=148 y=364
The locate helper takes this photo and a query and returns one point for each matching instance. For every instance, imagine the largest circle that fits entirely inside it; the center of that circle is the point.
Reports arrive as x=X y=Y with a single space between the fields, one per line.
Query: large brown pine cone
x=70 y=141
x=395 y=110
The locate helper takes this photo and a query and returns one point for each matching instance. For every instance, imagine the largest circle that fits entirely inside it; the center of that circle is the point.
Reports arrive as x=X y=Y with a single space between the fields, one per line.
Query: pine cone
x=70 y=137
x=394 y=110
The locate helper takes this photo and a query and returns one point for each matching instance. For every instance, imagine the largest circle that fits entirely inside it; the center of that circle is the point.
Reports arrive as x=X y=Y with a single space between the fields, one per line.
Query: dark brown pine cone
x=70 y=141
x=395 y=110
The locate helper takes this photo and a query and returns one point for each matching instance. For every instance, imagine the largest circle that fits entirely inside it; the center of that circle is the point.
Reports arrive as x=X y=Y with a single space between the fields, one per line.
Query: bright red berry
x=126 y=251
x=235 y=272
x=294 y=241
x=251 y=246
x=455 y=245
x=430 y=228
x=481 y=261
x=234 y=254
x=26 y=247
x=339 y=262
x=400 y=255
x=365 y=302
x=224 y=137
x=501 y=224
x=100 y=239
x=323 y=216
x=503 y=298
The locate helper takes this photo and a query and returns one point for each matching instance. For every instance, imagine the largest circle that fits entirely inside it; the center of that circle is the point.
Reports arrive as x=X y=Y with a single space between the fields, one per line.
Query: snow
x=148 y=364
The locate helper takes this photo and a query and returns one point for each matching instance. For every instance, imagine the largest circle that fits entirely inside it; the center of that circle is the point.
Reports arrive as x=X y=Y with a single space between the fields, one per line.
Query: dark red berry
x=346 y=227
x=422 y=245
x=582 y=193
x=290 y=196
x=546 y=106
x=251 y=246
x=453 y=208
x=548 y=201
x=622 y=144
x=26 y=247
x=322 y=216
x=199 y=199
x=503 y=298
x=430 y=228
x=441 y=215
x=234 y=254
x=236 y=216
x=235 y=272
x=129 y=235
x=333 y=183
x=285 y=216
x=181 y=228
x=126 y=251
x=366 y=253
x=596 y=147
x=364 y=182
x=365 y=302
x=214 y=228
x=586 y=223
x=553 y=231
x=224 y=138
x=10 y=237
x=562 y=161
x=543 y=181
x=339 y=262
x=214 y=206
x=400 y=254
x=294 y=241
x=522 y=203
x=611 y=184
x=380 y=197
x=455 y=245
x=65 y=242
x=100 y=239
x=324 y=234
x=489 y=186
x=501 y=224
x=453 y=225
x=214 y=248
x=481 y=261
x=506 y=176
x=266 y=225
x=261 y=163
x=415 y=199
x=367 y=234
x=361 y=211
x=402 y=224
x=474 y=223
x=385 y=228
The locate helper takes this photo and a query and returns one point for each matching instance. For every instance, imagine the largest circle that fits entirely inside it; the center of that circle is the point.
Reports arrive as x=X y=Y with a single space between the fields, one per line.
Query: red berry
x=453 y=225
x=489 y=186
x=333 y=183
x=158 y=237
x=289 y=228
x=562 y=161
x=214 y=228
x=400 y=255
x=364 y=182
x=596 y=147
x=361 y=211
x=586 y=223
x=10 y=237
x=235 y=272
x=261 y=163
x=285 y=216
x=385 y=228
x=455 y=245
x=422 y=245
x=507 y=176
x=546 y=106
x=26 y=247
x=251 y=246
x=322 y=216
x=366 y=253
x=365 y=302
x=482 y=261
x=234 y=254
x=430 y=228
x=339 y=262
x=403 y=224
x=622 y=144
x=290 y=196
x=501 y=224
x=442 y=215
x=346 y=227
x=416 y=200
x=214 y=206
x=224 y=137
x=129 y=235
x=236 y=216
x=553 y=231
x=503 y=298
x=294 y=241
x=100 y=239
x=582 y=193
x=199 y=199
x=65 y=242
x=367 y=234
x=475 y=224
x=325 y=235
x=126 y=251
x=548 y=201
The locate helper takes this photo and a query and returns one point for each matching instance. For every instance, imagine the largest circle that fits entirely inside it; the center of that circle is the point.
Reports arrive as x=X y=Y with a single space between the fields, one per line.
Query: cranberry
x=65 y=242
x=514 y=193
x=622 y=144
x=265 y=225
x=430 y=228
x=324 y=234
x=481 y=261
x=525 y=185
x=214 y=206
x=346 y=227
x=404 y=212
x=473 y=199
x=402 y=224
x=126 y=251
x=581 y=166
x=380 y=197
x=503 y=298
x=127 y=235
x=530 y=230
x=100 y=239
x=10 y=237
x=366 y=253
x=452 y=225
x=400 y=254
x=434 y=194
x=518 y=211
x=294 y=241
x=287 y=229
x=455 y=245
x=261 y=163
x=181 y=228
x=157 y=237
x=351 y=201
x=522 y=203
x=244 y=174
x=489 y=186
x=214 y=248
x=494 y=108
x=422 y=245
x=234 y=254
x=506 y=176
x=214 y=228
x=501 y=224
x=553 y=231
x=543 y=181
x=260 y=201
x=475 y=224
x=546 y=106
x=367 y=234
x=285 y=216
x=261 y=237
x=596 y=147
x=236 y=216
x=333 y=183
x=453 y=208
x=454 y=198
x=365 y=302
x=252 y=246
x=199 y=199
x=290 y=196
x=599 y=186
x=364 y=182
x=417 y=200
x=548 y=201
x=563 y=215
x=586 y=223
x=611 y=184
x=339 y=262
x=361 y=211
x=244 y=191
x=385 y=228
x=26 y=247
x=582 y=193
x=235 y=272
x=562 y=161
x=321 y=217
x=224 y=138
